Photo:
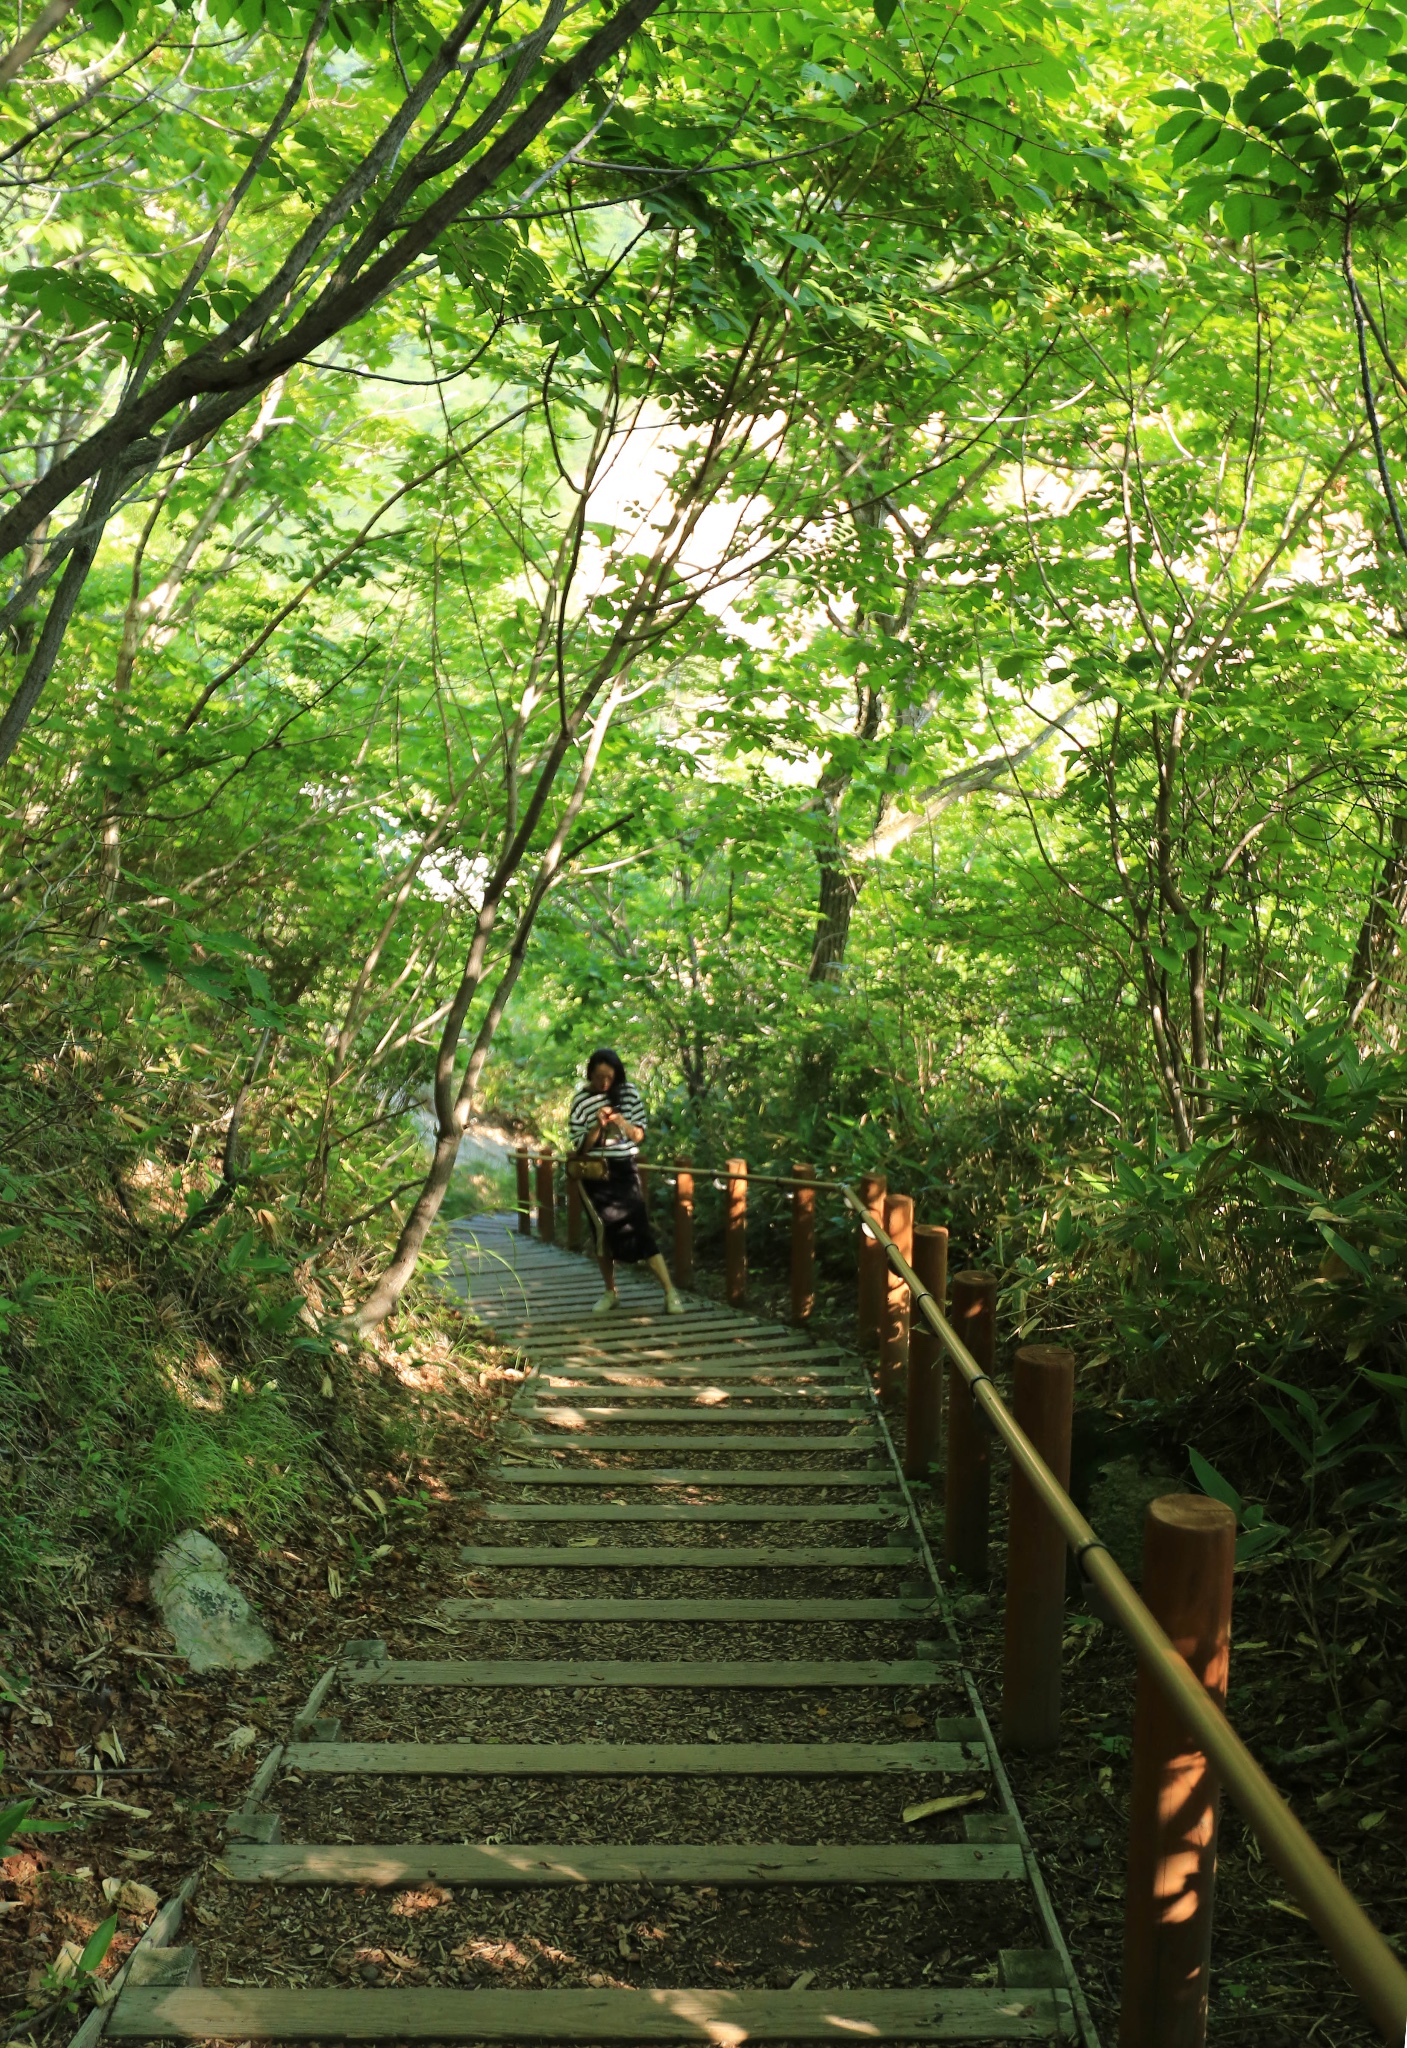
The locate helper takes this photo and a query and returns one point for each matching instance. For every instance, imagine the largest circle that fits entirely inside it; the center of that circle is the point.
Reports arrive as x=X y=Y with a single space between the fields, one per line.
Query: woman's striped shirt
x=581 y=1120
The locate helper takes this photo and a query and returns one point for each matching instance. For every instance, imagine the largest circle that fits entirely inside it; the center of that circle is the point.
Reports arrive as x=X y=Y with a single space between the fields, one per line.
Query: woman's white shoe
x=609 y=1300
x=674 y=1304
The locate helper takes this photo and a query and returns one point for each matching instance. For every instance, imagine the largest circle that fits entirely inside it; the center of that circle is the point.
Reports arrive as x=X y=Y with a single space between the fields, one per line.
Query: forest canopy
x=856 y=551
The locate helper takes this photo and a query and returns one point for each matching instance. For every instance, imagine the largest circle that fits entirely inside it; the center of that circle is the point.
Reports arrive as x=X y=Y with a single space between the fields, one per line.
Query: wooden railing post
x=523 y=1164
x=894 y=1302
x=683 y=1225
x=547 y=1196
x=1189 y=1555
x=574 y=1219
x=803 y=1246
x=871 y=1268
x=922 y=1424
x=968 y=1488
x=735 y=1233
x=1043 y=1401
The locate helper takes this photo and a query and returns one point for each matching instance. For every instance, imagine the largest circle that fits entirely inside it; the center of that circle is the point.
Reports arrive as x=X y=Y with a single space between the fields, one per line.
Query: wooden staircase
x=709 y=1441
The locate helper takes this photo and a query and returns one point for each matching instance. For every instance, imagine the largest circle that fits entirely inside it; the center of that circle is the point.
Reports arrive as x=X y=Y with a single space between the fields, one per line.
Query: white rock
x=209 y=1618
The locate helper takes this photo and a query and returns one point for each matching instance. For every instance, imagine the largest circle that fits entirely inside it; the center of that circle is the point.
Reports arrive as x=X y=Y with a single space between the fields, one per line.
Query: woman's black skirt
x=619 y=1201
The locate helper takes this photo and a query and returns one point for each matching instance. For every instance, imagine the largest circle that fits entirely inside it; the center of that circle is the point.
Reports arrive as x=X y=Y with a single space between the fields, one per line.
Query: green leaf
x=1276 y=51
x=884 y=11
x=97 y=1946
x=1227 y=149
x=1212 y=1483
x=1283 y=1180
x=1200 y=136
x=1352 y=1258
x=1254 y=1543
x=1178 y=124
x=12 y=1820
x=1250 y=213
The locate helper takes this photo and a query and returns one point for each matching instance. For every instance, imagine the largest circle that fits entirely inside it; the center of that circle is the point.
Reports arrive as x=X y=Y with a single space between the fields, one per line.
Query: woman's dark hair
x=604 y=1057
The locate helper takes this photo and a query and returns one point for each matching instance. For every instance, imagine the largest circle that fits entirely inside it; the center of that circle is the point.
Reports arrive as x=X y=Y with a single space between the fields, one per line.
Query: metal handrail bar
x=1360 y=1951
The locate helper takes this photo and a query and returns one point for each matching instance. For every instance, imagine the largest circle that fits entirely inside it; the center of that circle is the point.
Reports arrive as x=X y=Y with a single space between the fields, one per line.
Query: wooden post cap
x=1047 y=1357
x=1190 y=1514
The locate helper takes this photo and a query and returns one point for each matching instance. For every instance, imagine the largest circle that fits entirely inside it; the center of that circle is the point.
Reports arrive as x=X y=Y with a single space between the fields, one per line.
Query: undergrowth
x=170 y=1352
x=1239 y=1304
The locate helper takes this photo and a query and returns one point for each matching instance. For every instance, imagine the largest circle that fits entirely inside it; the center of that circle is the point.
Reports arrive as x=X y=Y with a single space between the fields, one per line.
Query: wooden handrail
x=1360 y=1951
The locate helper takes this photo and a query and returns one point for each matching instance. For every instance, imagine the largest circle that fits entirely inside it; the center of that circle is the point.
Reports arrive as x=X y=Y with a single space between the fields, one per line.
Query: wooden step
x=561 y=1863
x=708 y=1389
x=570 y=1324
x=744 y=1349
x=704 y=2016
x=805 y=1403
x=701 y=1674
x=862 y=1440
x=700 y=1414
x=662 y=1334
x=655 y=1475
x=687 y=1557
x=632 y=1759
x=684 y=1337
x=690 y=1511
x=760 y=1372
x=559 y=1327
x=536 y=1607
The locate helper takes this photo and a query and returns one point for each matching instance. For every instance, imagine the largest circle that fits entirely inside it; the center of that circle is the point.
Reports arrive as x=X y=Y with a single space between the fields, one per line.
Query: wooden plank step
x=690 y=1511
x=559 y=1863
x=685 y=1475
x=628 y=1317
x=697 y=1358
x=687 y=1557
x=561 y=1319
x=733 y=2017
x=653 y=1343
x=536 y=1607
x=528 y=1332
x=711 y=1402
x=762 y=1371
x=587 y=1350
x=571 y=1414
x=632 y=1759
x=862 y=1440
x=701 y=1673
x=580 y=1325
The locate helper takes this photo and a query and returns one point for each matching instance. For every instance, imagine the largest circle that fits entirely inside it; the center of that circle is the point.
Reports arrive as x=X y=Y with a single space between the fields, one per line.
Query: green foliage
x=1313 y=133
x=1258 y=1536
x=951 y=483
x=15 y=1820
x=110 y=1436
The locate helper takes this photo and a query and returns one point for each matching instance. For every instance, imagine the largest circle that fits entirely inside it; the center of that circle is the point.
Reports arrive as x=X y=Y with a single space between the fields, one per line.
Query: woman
x=608 y=1117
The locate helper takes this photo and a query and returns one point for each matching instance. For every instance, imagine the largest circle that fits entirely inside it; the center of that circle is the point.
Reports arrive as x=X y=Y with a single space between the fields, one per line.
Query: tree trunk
x=1376 y=975
x=840 y=886
x=452 y=1106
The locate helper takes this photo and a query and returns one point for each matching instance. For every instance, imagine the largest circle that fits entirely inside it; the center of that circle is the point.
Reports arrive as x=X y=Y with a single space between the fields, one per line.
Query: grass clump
x=118 y=1426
